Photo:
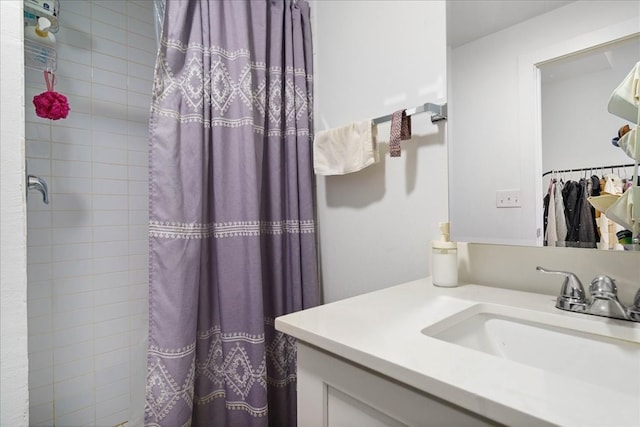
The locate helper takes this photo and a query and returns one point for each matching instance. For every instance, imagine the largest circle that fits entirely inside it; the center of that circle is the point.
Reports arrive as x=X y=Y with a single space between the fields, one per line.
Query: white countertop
x=382 y=331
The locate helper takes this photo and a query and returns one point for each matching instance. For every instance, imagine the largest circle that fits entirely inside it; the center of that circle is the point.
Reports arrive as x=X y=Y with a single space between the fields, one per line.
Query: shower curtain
x=231 y=212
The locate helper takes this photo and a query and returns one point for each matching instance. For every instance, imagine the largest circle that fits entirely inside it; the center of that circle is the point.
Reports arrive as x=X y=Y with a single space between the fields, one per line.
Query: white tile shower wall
x=87 y=250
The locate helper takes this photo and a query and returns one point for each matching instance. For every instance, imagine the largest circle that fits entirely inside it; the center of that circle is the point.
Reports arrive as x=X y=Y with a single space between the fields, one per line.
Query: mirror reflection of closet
x=577 y=129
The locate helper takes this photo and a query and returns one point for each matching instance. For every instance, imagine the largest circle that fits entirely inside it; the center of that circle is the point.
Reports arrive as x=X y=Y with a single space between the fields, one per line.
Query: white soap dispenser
x=444 y=261
x=40 y=33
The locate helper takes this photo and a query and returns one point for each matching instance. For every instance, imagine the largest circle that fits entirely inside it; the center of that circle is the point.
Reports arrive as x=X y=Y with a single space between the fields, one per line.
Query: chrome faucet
x=39 y=184
x=604 y=302
x=604 y=297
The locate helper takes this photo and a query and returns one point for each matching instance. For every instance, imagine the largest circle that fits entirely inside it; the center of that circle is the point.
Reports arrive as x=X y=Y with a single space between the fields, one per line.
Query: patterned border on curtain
x=258 y=87
x=235 y=370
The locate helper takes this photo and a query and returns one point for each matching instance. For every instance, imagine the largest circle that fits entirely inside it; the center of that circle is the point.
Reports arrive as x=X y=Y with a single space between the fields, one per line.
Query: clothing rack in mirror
x=597 y=168
x=439 y=113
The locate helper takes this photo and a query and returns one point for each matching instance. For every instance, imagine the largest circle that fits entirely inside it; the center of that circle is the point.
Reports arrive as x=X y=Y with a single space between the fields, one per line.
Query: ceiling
x=469 y=20
x=591 y=61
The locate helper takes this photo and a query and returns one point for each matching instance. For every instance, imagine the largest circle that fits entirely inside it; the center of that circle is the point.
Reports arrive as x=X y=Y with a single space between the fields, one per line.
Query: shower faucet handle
x=39 y=184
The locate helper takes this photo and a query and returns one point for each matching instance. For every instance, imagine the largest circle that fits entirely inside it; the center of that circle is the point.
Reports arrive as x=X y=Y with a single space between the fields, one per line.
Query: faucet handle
x=572 y=296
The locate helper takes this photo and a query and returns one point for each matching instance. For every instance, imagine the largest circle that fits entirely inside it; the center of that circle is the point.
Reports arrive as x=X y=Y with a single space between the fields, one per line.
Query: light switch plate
x=508 y=199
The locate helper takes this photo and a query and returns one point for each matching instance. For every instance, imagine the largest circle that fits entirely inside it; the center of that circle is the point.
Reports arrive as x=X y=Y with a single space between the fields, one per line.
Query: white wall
x=14 y=399
x=486 y=150
x=87 y=249
x=372 y=58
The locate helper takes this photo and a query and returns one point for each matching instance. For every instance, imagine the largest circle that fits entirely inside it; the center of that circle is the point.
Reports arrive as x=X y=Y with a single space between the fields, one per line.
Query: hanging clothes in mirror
x=581 y=230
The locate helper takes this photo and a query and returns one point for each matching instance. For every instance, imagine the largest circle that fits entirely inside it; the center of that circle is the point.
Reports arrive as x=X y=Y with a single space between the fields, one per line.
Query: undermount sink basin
x=609 y=358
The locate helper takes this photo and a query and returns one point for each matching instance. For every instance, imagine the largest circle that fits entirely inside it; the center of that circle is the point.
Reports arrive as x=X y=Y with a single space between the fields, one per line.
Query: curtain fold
x=231 y=211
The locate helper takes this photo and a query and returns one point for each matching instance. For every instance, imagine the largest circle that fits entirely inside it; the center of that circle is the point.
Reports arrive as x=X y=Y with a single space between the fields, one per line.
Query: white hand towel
x=345 y=149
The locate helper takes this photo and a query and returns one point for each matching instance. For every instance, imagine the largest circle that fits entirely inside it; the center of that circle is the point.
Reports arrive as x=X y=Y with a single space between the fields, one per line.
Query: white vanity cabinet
x=333 y=392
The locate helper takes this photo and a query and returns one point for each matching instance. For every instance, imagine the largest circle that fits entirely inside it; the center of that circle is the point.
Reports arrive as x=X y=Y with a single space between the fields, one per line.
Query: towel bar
x=439 y=113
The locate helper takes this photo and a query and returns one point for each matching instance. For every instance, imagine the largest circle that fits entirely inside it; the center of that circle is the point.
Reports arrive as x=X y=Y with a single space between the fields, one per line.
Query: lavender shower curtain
x=231 y=226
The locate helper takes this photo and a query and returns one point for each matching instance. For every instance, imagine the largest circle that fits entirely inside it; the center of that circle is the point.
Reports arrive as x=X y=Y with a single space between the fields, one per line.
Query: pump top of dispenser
x=43 y=27
x=444 y=242
x=34 y=9
x=40 y=33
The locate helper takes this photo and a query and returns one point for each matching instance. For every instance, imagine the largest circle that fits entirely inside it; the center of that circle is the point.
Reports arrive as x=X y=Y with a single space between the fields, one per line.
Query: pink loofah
x=51 y=105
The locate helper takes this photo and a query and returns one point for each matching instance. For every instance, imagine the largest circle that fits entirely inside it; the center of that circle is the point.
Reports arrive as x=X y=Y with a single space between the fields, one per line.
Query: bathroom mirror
x=565 y=102
x=498 y=73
